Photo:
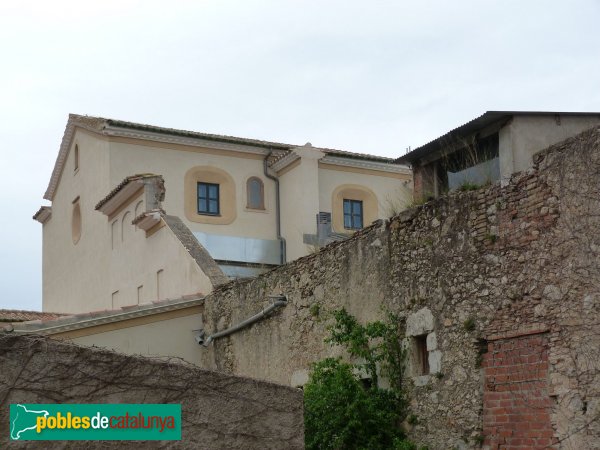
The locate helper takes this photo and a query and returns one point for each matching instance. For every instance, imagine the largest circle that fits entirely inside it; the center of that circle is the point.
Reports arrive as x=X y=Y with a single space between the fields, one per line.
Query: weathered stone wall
x=218 y=411
x=464 y=270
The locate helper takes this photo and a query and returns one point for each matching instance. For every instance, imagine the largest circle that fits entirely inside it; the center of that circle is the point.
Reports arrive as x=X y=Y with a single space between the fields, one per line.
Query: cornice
x=43 y=214
x=364 y=164
x=285 y=161
x=114 y=131
x=47 y=328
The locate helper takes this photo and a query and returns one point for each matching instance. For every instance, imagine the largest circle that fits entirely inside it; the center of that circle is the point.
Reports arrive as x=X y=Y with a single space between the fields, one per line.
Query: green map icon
x=23 y=419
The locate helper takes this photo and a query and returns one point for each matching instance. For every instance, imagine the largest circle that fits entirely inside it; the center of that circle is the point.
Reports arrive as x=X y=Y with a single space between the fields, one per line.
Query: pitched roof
x=122 y=185
x=19 y=315
x=487 y=118
x=107 y=126
x=65 y=322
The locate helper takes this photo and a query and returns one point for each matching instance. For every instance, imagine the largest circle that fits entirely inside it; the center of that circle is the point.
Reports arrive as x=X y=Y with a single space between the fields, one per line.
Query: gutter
x=282 y=301
x=280 y=238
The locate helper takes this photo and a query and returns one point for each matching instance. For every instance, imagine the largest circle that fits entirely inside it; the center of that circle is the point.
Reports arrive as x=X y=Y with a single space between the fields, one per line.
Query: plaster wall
x=136 y=257
x=129 y=157
x=74 y=274
x=299 y=190
x=166 y=336
x=393 y=191
x=527 y=135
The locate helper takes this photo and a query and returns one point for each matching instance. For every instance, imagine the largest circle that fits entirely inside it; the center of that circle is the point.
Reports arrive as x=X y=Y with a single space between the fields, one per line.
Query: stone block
x=419 y=323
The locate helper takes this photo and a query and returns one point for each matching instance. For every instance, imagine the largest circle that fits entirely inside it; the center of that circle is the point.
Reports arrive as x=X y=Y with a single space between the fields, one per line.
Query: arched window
x=255 y=191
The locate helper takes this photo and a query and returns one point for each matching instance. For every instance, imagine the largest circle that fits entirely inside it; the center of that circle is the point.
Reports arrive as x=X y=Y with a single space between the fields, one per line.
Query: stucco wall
x=136 y=257
x=527 y=135
x=218 y=411
x=169 y=334
x=392 y=191
x=174 y=161
x=497 y=263
x=68 y=264
x=299 y=190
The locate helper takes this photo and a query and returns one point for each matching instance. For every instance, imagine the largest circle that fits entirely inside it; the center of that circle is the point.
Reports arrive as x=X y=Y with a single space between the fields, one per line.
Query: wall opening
x=159 y=283
x=76 y=222
x=76 y=158
x=421 y=355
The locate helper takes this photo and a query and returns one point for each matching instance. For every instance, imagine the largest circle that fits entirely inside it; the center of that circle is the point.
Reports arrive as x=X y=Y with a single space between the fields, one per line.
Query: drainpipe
x=281 y=301
x=280 y=238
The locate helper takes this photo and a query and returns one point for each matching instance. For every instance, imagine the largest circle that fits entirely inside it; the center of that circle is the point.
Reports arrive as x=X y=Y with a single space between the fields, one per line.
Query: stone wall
x=219 y=411
x=465 y=271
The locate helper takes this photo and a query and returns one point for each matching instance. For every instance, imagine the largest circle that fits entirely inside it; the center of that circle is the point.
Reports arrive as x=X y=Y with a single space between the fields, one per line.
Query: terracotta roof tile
x=18 y=315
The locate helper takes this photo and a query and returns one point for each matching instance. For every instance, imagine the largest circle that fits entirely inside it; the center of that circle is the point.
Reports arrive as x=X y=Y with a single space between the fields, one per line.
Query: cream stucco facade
x=101 y=258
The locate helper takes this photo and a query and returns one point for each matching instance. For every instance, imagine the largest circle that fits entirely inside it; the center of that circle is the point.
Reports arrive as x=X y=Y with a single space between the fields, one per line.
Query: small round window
x=76 y=223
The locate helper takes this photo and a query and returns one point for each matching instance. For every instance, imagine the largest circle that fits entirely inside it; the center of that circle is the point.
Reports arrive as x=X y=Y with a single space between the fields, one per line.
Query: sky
x=374 y=77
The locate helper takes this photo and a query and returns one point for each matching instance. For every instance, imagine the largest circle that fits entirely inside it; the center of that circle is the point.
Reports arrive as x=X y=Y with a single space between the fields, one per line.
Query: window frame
x=208 y=199
x=353 y=216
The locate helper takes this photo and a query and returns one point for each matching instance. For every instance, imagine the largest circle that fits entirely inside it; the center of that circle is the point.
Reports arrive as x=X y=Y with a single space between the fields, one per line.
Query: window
x=208 y=199
x=353 y=214
x=421 y=355
x=197 y=205
x=255 y=192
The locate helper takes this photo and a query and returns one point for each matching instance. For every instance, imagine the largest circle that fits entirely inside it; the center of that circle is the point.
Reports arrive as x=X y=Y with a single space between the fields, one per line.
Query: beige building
x=141 y=213
x=489 y=148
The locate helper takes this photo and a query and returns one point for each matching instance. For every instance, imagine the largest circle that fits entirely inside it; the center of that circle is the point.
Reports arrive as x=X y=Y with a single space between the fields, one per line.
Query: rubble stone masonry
x=504 y=284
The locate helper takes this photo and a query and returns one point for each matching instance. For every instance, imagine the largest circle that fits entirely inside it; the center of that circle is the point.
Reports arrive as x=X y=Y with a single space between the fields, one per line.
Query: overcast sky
x=372 y=77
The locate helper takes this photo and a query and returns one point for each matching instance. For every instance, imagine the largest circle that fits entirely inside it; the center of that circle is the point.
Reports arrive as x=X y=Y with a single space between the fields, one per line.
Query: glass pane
x=213 y=191
x=202 y=205
x=357 y=208
x=255 y=197
x=213 y=206
x=347 y=221
x=201 y=190
x=358 y=222
x=346 y=206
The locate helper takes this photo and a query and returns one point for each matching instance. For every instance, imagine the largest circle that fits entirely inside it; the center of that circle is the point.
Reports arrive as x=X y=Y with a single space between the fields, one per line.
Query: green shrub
x=340 y=412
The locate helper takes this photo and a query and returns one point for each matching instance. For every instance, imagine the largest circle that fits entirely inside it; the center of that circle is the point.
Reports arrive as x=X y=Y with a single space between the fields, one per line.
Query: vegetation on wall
x=344 y=405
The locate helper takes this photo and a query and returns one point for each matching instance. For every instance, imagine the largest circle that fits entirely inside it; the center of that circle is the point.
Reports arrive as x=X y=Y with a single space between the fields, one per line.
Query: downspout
x=282 y=301
x=280 y=238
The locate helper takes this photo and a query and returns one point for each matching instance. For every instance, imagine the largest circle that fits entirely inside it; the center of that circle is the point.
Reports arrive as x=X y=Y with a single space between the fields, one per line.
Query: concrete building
x=489 y=148
x=253 y=205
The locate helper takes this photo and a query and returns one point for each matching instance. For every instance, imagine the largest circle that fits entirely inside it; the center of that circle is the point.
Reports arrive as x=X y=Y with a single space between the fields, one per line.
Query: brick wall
x=516 y=401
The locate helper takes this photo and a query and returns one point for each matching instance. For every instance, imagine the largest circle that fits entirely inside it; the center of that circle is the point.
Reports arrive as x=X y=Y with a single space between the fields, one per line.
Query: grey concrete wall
x=496 y=263
x=219 y=411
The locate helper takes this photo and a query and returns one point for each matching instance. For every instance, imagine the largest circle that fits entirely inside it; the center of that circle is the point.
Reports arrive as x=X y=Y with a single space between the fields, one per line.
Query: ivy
x=340 y=410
